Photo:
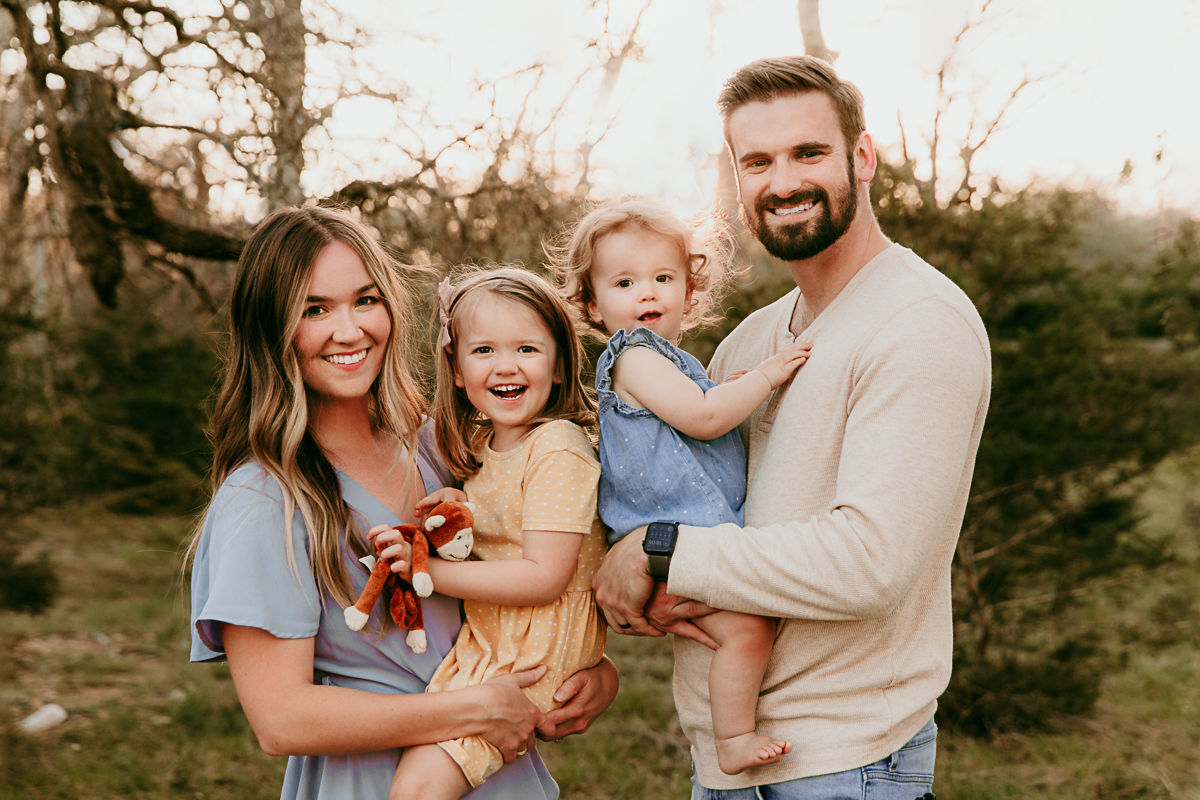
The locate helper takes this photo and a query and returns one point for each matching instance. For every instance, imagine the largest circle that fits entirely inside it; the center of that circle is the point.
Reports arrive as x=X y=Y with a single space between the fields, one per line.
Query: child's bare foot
x=738 y=753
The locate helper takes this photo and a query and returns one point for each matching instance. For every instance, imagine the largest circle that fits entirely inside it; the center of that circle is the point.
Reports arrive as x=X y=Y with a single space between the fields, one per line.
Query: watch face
x=660 y=538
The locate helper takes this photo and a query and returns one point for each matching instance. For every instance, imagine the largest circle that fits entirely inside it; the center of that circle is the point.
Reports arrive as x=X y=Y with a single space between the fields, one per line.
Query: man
x=859 y=470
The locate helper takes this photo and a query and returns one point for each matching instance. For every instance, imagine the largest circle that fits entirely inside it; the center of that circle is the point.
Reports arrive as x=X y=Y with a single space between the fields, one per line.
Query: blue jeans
x=906 y=774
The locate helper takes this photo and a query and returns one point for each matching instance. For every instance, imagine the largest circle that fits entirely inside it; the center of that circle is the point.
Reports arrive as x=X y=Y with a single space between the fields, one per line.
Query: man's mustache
x=774 y=201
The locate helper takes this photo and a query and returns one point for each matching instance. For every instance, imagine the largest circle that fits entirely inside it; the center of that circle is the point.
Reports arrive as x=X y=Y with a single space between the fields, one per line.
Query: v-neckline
x=392 y=515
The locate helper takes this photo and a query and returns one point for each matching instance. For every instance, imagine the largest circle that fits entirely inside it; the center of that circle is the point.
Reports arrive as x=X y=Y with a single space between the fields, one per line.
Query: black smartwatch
x=658 y=546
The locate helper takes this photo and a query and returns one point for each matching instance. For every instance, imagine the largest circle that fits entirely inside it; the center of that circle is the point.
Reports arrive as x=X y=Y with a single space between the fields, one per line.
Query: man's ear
x=865 y=159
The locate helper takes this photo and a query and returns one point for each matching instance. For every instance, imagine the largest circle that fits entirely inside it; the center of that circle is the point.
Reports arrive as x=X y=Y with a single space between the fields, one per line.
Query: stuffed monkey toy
x=448 y=528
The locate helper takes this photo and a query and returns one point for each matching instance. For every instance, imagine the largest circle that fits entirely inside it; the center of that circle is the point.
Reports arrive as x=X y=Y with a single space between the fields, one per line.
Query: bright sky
x=1119 y=81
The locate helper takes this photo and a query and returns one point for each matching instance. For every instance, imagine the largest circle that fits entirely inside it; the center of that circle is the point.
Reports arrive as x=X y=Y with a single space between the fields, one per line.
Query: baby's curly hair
x=704 y=242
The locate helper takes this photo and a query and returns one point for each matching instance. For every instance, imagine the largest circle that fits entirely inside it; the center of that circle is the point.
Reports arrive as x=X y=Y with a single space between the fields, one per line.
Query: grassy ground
x=146 y=724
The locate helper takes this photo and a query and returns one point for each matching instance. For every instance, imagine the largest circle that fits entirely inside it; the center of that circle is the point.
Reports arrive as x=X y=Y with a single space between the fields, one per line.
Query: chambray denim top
x=650 y=472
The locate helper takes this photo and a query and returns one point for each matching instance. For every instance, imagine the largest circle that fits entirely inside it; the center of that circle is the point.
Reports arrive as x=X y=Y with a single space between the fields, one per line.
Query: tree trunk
x=282 y=30
x=810 y=30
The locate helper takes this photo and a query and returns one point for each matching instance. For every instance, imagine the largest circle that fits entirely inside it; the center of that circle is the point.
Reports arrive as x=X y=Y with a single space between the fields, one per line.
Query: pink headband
x=445 y=298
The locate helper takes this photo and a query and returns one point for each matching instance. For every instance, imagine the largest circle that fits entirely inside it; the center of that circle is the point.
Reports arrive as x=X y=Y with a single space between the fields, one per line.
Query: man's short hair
x=771 y=78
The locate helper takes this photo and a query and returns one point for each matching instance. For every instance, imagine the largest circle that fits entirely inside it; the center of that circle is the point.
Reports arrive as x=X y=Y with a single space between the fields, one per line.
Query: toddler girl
x=668 y=448
x=508 y=411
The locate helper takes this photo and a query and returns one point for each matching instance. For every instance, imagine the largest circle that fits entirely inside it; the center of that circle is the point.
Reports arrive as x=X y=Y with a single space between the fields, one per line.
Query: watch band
x=660 y=566
x=659 y=546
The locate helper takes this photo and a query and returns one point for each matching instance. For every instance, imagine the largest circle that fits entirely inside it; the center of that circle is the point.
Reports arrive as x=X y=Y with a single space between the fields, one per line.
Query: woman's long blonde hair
x=461 y=430
x=262 y=410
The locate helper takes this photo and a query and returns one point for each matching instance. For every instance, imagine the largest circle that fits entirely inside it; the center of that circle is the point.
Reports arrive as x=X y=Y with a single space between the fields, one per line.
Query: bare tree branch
x=810 y=31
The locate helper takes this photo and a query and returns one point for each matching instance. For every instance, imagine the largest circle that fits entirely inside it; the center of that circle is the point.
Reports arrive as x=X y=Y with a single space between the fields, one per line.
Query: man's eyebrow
x=750 y=156
x=814 y=145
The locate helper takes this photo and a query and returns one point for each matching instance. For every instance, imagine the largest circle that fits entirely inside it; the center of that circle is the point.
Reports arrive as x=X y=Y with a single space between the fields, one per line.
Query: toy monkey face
x=458 y=548
x=449 y=540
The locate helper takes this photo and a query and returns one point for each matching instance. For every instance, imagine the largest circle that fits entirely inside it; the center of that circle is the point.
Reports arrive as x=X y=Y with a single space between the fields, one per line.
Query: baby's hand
x=447 y=495
x=780 y=367
x=395 y=547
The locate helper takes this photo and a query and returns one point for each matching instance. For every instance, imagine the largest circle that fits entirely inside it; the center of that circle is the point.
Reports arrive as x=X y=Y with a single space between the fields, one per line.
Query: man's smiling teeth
x=353 y=358
x=783 y=212
x=508 y=391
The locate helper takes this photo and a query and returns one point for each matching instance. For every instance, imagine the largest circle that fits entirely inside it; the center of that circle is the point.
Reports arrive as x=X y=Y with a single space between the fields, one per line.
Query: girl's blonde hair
x=705 y=245
x=461 y=430
x=262 y=408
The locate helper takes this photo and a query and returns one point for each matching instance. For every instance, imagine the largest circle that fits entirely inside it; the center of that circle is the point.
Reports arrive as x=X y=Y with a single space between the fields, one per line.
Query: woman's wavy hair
x=262 y=411
x=705 y=245
x=461 y=430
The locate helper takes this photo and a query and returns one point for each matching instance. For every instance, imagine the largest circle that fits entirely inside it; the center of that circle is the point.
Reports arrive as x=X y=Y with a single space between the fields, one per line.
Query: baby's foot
x=738 y=753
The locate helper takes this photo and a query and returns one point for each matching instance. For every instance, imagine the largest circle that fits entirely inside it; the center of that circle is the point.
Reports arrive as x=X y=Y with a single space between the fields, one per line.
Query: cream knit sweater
x=859 y=473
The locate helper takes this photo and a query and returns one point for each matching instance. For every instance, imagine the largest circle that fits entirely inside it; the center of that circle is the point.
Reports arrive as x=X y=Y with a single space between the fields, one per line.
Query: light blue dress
x=650 y=472
x=241 y=575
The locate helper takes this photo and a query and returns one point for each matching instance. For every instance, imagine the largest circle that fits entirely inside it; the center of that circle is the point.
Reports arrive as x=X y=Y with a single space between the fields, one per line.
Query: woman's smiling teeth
x=349 y=358
x=508 y=391
x=783 y=212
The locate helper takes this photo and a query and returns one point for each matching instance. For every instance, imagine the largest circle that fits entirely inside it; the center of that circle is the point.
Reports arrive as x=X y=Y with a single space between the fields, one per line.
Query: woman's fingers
x=522 y=679
x=512 y=719
x=381 y=530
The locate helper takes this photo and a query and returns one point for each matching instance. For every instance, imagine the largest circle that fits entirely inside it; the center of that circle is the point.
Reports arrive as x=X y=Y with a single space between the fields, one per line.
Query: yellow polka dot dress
x=548 y=483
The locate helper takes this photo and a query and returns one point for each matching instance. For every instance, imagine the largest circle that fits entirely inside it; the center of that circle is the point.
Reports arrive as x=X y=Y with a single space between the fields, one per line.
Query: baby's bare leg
x=427 y=772
x=734 y=680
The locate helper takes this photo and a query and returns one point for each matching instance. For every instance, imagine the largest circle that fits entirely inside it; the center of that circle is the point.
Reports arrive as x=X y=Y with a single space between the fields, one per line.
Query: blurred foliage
x=26 y=585
x=113 y=405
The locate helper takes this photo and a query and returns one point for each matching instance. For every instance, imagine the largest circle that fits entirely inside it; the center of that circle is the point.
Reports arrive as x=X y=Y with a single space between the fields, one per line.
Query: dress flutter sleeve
x=242 y=574
x=561 y=482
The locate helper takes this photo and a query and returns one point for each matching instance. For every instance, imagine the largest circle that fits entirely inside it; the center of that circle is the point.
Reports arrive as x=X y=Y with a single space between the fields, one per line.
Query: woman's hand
x=292 y=716
x=395 y=547
x=585 y=695
x=510 y=719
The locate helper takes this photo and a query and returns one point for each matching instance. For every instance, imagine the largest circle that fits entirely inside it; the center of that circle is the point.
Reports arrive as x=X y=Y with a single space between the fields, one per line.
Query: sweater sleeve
x=919 y=391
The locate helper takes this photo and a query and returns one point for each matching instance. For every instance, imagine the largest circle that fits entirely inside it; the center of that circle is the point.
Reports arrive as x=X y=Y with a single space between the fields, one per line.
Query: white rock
x=44 y=718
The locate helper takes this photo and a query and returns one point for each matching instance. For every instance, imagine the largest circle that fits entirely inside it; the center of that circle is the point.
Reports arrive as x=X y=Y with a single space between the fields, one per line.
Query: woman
x=318 y=436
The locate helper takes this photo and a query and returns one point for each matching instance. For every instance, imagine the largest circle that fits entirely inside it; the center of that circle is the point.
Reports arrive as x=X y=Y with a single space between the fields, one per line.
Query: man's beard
x=803 y=240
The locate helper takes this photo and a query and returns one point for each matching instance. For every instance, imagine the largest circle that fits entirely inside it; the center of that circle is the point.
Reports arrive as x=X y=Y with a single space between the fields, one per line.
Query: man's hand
x=623 y=586
x=584 y=696
x=672 y=614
